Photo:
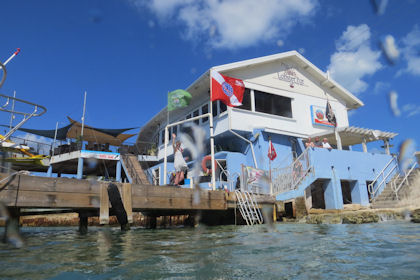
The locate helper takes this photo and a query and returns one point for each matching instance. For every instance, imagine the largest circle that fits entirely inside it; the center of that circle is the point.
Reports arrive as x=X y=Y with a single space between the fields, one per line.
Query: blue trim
x=99 y=152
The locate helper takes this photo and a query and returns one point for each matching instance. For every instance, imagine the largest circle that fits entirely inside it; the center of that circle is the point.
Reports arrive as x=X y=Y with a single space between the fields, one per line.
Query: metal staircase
x=399 y=187
x=248 y=207
x=133 y=169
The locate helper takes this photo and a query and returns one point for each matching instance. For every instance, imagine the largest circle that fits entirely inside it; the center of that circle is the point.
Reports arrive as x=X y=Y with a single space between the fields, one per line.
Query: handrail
x=371 y=187
x=383 y=169
x=132 y=170
x=2 y=108
x=248 y=207
x=396 y=189
x=26 y=116
x=291 y=176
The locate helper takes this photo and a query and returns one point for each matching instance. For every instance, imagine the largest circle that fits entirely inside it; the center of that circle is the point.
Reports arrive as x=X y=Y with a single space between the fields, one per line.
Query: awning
x=113 y=137
x=355 y=135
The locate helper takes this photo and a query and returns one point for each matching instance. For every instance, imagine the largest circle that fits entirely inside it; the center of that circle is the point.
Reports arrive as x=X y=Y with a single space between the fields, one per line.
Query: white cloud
x=411 y=51
x=232 y=23
x=411 y=109
x=381 y=87
x=354 y=59
x=280 y=43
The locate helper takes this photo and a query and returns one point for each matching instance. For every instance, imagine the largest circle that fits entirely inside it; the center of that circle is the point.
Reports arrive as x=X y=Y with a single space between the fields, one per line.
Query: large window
x=273 y=104
x=222 y=106
x=195 y=114
x=214 y=108
x=246 y=101
x=205 y=110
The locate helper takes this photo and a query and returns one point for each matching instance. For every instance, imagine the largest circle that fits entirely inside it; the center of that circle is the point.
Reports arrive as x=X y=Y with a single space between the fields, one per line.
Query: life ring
x=204 y=164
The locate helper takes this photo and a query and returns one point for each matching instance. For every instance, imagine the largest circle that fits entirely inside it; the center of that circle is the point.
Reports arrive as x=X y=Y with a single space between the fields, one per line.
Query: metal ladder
x=248 y=207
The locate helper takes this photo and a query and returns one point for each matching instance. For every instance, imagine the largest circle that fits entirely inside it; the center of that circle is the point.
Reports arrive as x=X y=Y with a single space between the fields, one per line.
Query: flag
x=330 y=114
x=271 y=151
x=226 y=89
x=178 y=99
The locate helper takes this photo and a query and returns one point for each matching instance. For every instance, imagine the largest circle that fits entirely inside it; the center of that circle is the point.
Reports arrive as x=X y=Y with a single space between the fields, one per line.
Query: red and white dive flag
x=226 y=89
x=271 y=151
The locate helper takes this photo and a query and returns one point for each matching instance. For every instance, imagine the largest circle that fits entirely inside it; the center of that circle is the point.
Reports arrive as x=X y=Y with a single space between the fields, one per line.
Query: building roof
x=354 y=135
x=200 y=86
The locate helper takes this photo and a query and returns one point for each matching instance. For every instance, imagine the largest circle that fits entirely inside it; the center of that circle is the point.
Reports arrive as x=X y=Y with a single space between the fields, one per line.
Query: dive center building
x=284 y=102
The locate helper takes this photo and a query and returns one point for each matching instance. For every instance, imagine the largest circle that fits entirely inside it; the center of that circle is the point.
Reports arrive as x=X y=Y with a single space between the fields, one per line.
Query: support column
x=359 y=193
x=364 y=145
x=11 y=231
x=333 y=195
x=386 y=144
x=49 y=172
x=338 y=140
x=80 y=168
x=118 y=171
x=83 y=223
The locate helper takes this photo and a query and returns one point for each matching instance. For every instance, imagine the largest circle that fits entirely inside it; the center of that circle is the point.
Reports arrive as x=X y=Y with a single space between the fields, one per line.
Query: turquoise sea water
x=389 y=250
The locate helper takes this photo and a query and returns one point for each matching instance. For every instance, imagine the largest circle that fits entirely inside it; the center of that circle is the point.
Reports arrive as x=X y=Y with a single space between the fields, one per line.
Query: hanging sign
x=319 y=116
x=99 y=155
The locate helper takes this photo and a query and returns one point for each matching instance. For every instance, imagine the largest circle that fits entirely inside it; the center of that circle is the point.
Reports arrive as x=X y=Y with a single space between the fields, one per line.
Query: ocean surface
x=388 y=250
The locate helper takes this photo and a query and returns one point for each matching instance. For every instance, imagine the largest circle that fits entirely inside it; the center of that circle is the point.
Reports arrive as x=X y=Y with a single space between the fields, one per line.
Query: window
x=273 y=104
x=222 y=106
x=188 y=116
x=170 y=133
x=214 y=108
x=246 y=101
x=162 y=137
x=195 y=114
x=175 y=130
x=205 y=110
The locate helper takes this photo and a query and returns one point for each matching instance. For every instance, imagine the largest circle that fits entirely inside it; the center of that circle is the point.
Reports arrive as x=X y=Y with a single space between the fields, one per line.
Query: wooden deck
x=90 y=198
x=24 y=191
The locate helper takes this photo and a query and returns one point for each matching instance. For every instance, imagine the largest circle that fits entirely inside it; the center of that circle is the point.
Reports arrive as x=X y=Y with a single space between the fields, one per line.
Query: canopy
x=113 y=137
x=355 y=135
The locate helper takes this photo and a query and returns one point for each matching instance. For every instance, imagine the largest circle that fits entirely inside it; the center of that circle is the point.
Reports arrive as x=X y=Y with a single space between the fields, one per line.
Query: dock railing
x=288 y=178
x=36 y=147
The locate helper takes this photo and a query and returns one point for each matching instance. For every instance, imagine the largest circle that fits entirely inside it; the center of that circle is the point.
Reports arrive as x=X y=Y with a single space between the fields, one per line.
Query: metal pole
x=12 y=116
x=12 y=56
x=83 y=118
x=165 y=160
x=55 y=137
x=213 y=167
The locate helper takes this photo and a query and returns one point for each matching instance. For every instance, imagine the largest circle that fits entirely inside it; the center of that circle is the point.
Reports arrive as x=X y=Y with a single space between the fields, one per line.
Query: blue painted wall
x=335 y=165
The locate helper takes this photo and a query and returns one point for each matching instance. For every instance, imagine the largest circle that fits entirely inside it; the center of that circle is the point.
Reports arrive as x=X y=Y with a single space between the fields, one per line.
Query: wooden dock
x=90 y=198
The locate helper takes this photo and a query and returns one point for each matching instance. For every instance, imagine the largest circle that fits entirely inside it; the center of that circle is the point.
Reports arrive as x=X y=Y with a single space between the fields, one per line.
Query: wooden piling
x=126 y=198
x=83 y=223
x=104 y=206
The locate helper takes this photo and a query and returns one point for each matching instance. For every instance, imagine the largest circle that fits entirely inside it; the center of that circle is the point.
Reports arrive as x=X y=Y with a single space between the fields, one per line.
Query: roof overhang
x=355 y=135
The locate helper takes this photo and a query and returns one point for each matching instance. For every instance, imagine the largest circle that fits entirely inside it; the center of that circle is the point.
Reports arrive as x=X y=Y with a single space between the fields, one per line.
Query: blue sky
x=127 y=54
